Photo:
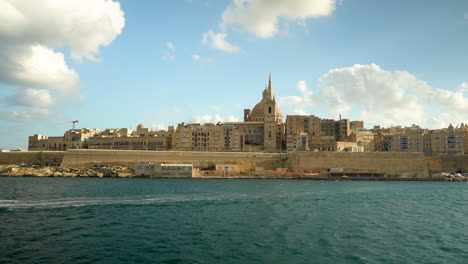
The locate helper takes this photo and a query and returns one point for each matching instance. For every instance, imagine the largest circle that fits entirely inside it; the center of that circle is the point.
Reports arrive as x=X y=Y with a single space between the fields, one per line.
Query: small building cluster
x=264 y=130
x=164 y=170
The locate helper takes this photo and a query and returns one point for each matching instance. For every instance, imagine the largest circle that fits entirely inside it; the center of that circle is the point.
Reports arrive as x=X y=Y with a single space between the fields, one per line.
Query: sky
x=114 y=64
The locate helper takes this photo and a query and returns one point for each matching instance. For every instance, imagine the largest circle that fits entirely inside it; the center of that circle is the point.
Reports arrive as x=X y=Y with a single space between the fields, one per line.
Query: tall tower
x=271 y=120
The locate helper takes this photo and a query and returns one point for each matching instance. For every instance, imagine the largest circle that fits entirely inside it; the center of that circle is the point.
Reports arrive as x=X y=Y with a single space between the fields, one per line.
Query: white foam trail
x=135 y=200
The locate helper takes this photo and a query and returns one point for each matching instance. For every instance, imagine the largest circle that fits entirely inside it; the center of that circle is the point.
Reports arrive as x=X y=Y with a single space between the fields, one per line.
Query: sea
x=112 y=220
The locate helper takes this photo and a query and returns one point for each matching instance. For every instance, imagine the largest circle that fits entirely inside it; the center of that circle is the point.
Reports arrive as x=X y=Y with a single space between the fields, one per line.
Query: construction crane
x=74 y=122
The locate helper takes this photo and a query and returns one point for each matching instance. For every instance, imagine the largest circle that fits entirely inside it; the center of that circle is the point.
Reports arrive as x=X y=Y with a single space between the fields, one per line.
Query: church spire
x=270 y=89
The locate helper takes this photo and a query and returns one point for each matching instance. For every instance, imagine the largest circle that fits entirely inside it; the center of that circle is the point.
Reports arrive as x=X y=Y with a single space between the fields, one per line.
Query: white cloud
x=218 y=41
x=383 y=97
x=169 y=54
x=39 y=67
x=170 y=46
x=307 y=97
x=464 y=86
x=261 y=17
x=466 y=15
x=83 y=25
x=203 y=119
x=23 y=116
x=160 y=126
x=299 y=111
x=30 y=97
x=29 y=37
x=196 y=57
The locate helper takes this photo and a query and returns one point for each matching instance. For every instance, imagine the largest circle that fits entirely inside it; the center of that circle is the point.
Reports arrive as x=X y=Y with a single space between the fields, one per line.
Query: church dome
x=258 y=112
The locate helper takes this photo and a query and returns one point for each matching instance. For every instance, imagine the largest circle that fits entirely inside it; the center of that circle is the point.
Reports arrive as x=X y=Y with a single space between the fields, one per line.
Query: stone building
x=207 y=137
x=269 y=113
x=449 y=140
x=446 y=141
x=130 y=143
x=365 y=139
x=408 y=140
x=297 y=125
x=323 y=134
x=72 y=139
x=264 y=130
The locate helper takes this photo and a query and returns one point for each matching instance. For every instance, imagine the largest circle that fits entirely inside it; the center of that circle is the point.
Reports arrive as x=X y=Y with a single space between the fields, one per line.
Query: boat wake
x=133 y=200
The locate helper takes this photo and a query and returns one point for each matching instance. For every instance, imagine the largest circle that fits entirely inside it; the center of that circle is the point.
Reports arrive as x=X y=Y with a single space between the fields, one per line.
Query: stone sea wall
x=204 y=160
x=45 y=158
x=406 y=164
x=447 y=163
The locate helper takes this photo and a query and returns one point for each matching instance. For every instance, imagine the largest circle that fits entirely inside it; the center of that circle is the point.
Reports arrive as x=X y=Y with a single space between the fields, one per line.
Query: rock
x=69 y=174
x=91 y=173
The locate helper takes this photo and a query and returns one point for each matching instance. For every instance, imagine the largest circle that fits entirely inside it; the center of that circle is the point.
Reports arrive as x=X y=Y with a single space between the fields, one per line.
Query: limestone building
x=72 y=139
x=207 y=137
x=322 y=134
x=269 y=113
x=263 y=130
x=446 y=141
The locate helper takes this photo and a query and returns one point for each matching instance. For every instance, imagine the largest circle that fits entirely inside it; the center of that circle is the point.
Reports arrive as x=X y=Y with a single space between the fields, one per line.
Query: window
x=269 y=109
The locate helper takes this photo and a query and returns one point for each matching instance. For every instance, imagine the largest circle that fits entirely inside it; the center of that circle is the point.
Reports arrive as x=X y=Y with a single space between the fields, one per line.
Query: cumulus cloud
x=39 y=67
x=31 y=33
x=383 y=97
x=218 y=41
x=83 y=25
x=203 y=119
x=307 y=97
x=261 y=17
x=30 y=97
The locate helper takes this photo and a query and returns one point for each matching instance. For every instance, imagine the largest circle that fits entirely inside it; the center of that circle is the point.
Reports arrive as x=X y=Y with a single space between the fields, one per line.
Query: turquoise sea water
x=60 y=220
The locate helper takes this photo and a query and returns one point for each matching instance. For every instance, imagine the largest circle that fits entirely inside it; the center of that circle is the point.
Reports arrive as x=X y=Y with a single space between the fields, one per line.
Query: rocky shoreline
x=39 y=171
x=126 y=172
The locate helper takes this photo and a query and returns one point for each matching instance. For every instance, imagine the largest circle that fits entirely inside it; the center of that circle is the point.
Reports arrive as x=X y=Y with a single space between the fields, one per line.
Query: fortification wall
x=447 y=163
x=46 y=158
x=409 y=164
x=244 y=160
x=378 y=162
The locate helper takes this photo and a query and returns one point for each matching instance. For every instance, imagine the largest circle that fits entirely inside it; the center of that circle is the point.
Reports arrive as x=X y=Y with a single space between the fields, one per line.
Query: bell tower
x=271 y=120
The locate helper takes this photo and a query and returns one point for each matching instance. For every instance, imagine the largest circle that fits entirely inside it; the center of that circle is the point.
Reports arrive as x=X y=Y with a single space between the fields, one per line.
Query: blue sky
x=116 y=64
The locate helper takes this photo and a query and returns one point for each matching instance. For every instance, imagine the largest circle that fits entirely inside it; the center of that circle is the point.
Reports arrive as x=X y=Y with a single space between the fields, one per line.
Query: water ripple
x=55 y=220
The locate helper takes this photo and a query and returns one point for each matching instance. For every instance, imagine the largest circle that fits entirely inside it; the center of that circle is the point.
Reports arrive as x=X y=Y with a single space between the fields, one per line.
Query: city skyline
x=161 y=64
